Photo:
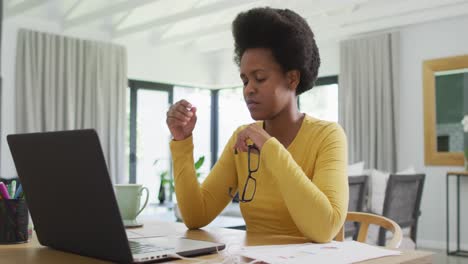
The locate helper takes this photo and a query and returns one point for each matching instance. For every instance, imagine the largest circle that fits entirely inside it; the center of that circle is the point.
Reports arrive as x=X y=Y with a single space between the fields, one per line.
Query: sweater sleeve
x=199 y=204
x=319 y=206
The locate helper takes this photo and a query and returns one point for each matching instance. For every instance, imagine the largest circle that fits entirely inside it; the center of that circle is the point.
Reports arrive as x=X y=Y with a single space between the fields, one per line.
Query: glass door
x=149 y=135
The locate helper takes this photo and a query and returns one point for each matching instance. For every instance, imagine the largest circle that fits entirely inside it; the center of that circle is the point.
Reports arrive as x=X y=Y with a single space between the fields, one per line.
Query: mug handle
x=146 y=200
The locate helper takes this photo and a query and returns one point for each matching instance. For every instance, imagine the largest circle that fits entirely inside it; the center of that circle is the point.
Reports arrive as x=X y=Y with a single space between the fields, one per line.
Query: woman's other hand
x=181 y=119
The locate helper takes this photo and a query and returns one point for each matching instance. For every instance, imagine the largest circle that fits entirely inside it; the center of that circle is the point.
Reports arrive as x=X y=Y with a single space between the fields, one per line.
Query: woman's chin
x=257 y=116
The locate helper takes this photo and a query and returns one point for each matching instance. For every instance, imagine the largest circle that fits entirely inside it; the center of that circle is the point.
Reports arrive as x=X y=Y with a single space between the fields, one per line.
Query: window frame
x=134 y=86
x=325 y=80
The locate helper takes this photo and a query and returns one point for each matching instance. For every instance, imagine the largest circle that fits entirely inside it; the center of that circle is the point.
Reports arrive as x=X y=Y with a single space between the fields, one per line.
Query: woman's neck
x=285 y=126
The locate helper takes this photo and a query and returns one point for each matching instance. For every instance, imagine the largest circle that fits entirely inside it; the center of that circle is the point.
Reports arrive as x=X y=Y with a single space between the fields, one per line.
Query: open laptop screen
x=70 y=194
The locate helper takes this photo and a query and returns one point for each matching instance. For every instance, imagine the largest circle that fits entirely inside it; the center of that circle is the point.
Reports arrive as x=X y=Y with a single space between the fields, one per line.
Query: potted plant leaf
x=167 y=180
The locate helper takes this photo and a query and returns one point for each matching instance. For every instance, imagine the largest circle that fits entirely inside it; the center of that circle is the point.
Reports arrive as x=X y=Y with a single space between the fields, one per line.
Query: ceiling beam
x=192 y=13
x=105 y=12
x=22 y=7
x=216 y=29
x=194 y=5
x=405 y=12
x=70 y=11
x=158 y=34
x=385 y=23
x=122 y=20
x=214 y=44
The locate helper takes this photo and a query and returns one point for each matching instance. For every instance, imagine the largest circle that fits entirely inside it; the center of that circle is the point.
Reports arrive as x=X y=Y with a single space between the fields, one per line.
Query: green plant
x=198 y=164
x=167 y=180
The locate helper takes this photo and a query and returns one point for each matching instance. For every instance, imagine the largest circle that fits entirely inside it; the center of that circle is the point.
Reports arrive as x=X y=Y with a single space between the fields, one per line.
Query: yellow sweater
x=301 y=190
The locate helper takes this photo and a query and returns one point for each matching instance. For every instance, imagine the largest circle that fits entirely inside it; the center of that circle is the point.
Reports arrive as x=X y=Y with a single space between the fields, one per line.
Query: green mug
x=128 y=198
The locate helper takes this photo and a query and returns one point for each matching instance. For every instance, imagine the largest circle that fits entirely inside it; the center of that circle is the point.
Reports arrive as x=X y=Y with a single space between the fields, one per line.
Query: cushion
x=356 y=169
x=377 y=187
x=406 y=243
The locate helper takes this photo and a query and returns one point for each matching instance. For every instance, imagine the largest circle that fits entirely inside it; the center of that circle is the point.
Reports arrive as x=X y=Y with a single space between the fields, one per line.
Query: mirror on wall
x=451 y=88
x=445 y=104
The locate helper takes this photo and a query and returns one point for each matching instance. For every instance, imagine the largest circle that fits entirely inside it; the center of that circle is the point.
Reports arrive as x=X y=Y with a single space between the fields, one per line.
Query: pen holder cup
x=14 y=219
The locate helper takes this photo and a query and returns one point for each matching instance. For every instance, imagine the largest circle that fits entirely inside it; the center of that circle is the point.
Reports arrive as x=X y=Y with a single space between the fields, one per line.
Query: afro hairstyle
x=286 y=34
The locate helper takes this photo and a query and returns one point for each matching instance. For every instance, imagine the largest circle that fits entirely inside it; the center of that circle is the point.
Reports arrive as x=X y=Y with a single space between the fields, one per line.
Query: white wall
x=418 y=43
x=176 y=64
x=330 y=57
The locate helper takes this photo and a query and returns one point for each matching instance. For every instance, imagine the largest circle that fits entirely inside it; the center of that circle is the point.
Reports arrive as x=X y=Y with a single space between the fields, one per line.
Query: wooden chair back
x=366 y=219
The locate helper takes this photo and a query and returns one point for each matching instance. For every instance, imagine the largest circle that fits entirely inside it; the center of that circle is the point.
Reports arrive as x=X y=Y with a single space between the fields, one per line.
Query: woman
x=289 y=168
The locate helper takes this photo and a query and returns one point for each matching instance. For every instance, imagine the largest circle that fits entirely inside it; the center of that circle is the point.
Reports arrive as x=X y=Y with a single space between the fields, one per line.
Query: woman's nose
x=249 y=89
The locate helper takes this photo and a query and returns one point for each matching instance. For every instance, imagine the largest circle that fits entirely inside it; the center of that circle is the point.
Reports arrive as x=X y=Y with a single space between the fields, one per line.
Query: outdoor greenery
x=168 y=180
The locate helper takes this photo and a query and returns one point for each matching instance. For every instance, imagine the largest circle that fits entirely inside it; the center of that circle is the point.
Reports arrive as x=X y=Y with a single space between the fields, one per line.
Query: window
x=232 y=113
x=149 y=135
x=321 y=101
x=200 y=98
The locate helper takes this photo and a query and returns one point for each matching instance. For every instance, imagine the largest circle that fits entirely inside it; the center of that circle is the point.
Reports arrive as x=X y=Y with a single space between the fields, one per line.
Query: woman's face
x=267 y=89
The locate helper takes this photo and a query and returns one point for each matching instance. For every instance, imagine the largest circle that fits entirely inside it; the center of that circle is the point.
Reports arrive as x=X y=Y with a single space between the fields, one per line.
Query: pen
x=3 y=191
x=19 y=191
x=12 y=188
x=8 y=186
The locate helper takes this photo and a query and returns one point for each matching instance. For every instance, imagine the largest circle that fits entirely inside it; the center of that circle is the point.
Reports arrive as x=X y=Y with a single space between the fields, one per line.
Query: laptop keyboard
x=142 y=248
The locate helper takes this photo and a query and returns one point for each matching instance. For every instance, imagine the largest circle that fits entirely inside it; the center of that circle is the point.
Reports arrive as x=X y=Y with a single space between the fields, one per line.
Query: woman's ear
x=293 y=78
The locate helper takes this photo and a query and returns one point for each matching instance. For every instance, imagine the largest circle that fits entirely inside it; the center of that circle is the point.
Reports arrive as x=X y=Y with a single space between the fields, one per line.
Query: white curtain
x=369 y=99
x=65 y=83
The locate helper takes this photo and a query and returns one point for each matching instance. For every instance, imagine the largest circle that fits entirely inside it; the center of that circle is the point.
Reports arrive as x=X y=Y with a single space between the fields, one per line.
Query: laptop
x=72 y=202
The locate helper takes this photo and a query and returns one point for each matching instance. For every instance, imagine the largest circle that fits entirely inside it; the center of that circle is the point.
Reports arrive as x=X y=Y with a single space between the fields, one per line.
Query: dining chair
x=366 y=219
x=358 y=186
x=402 y=203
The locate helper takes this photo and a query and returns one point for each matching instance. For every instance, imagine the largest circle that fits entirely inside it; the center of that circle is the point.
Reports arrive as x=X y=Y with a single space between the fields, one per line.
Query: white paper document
x=330 y=253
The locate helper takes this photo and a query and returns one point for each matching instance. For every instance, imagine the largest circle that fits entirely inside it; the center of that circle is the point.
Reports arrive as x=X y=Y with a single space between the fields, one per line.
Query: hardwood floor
x=441 y=257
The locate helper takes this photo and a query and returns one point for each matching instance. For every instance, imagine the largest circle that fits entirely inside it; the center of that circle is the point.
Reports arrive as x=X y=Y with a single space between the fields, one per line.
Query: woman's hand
x=181 y=119
x=255 y=133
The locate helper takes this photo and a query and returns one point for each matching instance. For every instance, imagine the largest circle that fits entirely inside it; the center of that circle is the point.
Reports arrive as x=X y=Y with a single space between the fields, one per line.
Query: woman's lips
x=252 y=105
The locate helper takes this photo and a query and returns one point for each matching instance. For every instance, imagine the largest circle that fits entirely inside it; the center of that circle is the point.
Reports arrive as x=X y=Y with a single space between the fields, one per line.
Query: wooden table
x=166 y=214
x=33 y=252
x=458 y=251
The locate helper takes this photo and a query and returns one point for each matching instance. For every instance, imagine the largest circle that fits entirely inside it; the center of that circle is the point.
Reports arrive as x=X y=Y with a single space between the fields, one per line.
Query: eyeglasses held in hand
x=250 y=185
